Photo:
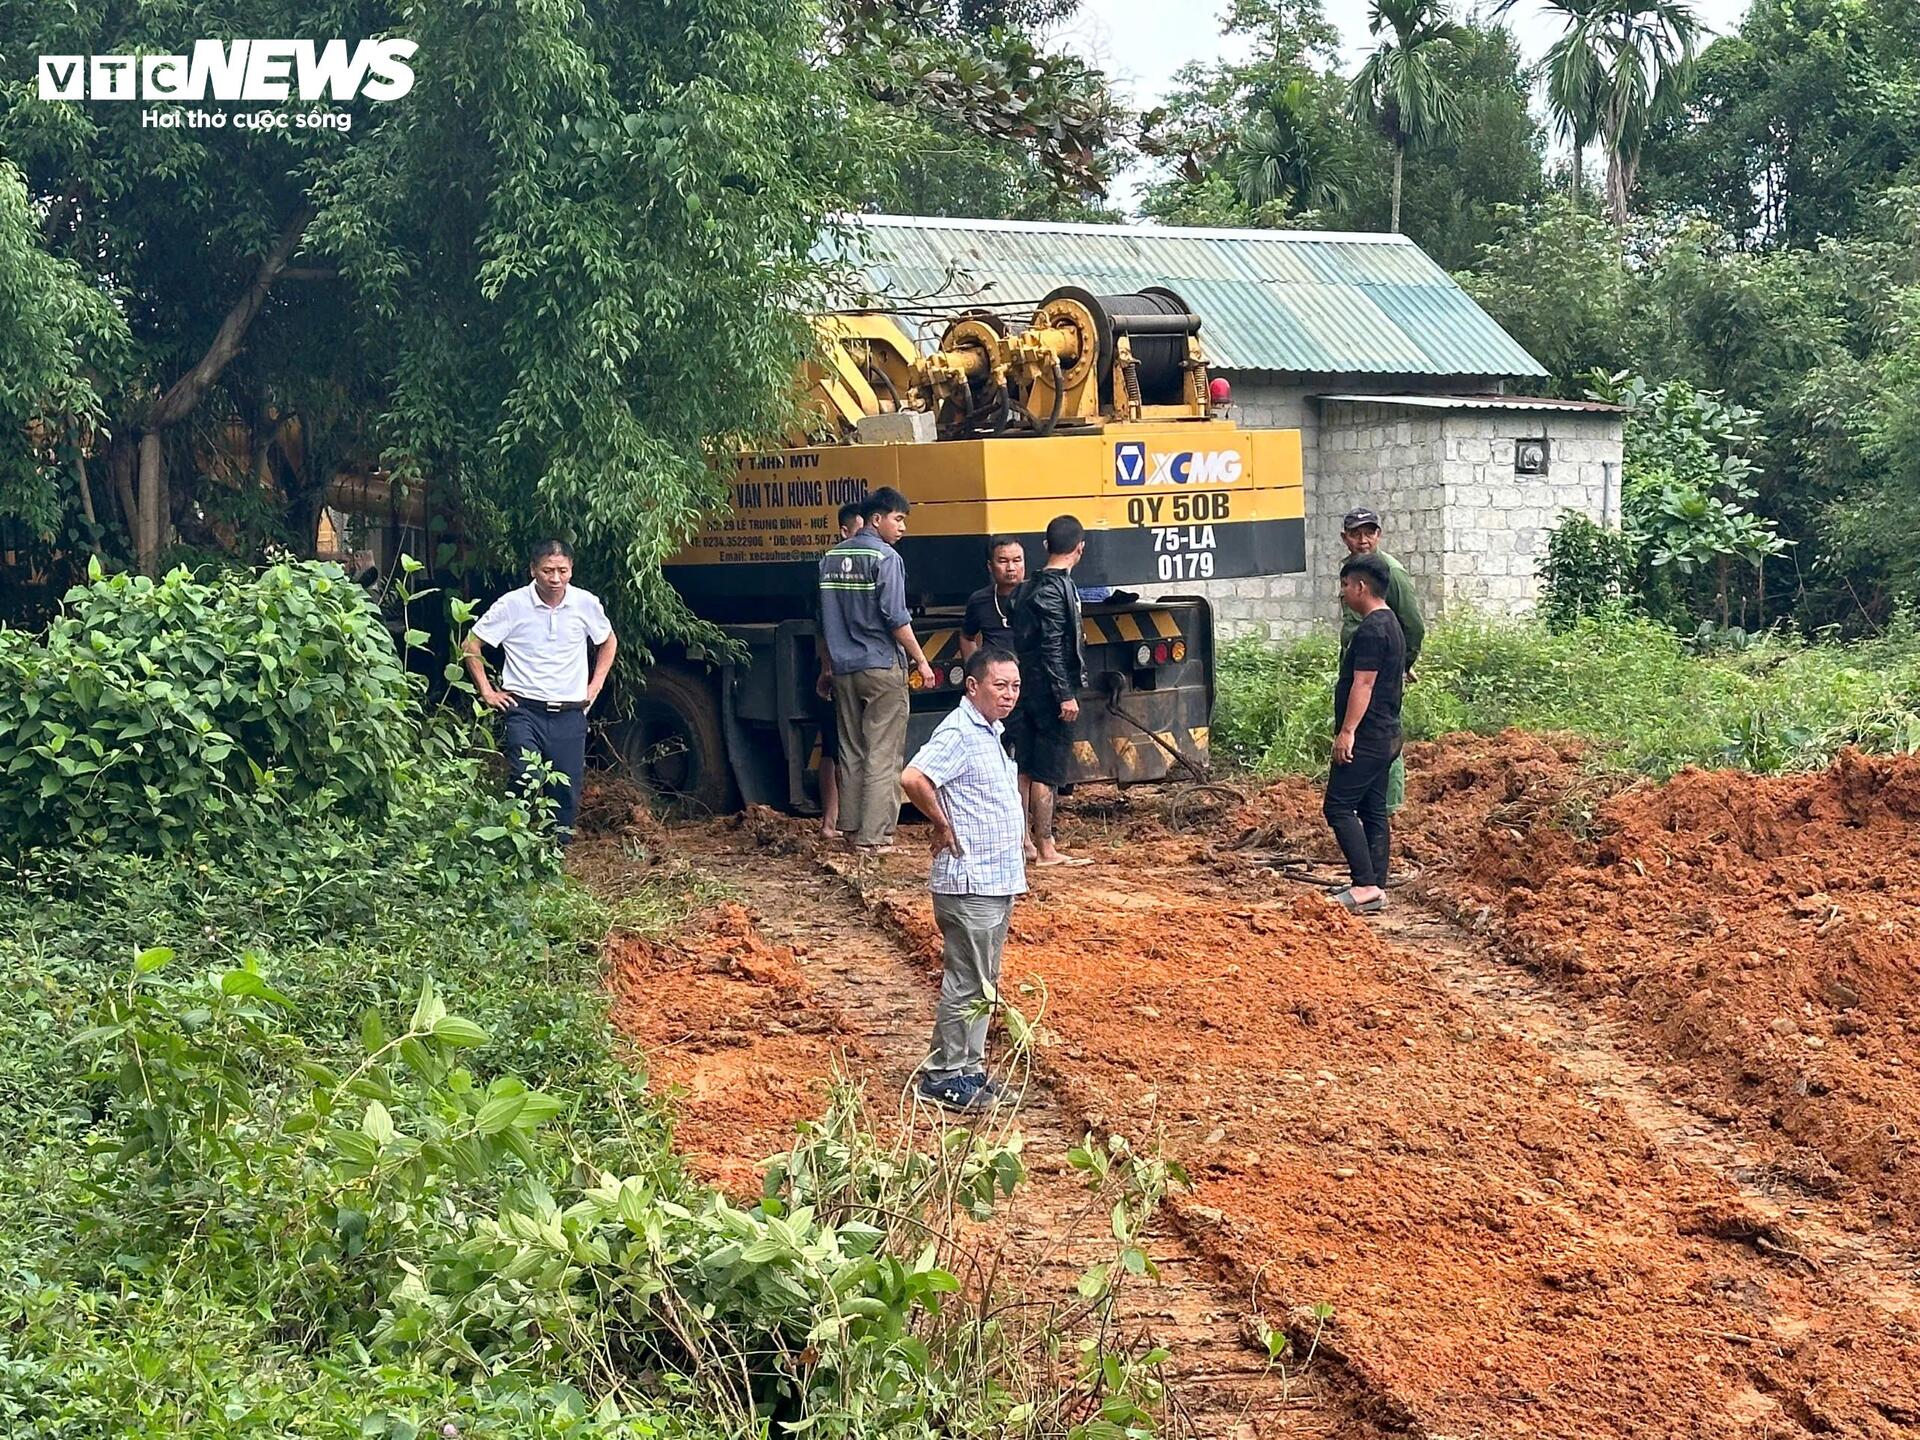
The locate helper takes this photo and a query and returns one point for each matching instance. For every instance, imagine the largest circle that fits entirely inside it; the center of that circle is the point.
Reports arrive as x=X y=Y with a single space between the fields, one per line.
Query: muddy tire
x=674 y=744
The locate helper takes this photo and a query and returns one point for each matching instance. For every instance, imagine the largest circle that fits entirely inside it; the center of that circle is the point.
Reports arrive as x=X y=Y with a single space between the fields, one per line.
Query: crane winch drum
x=1156 y=325
x=1083 y=360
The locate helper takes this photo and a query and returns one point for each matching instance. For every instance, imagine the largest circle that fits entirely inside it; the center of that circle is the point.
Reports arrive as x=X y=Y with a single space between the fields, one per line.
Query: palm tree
x=1573 y=81
x=1649 y=70
x=1619 y=68
x=1287 y=154
x=1400 y=88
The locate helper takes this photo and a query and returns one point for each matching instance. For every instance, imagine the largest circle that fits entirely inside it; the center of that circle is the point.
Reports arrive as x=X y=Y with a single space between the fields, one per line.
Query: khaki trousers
x=871 y=708
x=973 y=933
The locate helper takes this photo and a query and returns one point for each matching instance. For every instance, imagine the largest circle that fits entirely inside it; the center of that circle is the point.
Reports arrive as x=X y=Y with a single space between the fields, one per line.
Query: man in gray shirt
x=863 y=614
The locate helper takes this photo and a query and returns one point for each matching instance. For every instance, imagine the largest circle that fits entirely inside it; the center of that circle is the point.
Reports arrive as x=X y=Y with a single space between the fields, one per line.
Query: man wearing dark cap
x=1360 y=531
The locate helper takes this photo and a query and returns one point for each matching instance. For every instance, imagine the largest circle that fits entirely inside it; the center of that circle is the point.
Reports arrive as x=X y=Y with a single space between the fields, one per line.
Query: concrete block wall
x=1496 y=522
x=1391 y=459
x=1470 y=532
x=1272 y=607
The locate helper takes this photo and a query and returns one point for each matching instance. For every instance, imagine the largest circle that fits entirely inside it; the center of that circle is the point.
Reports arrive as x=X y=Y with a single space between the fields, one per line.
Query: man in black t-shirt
x=1366 y=721
x=989 y=619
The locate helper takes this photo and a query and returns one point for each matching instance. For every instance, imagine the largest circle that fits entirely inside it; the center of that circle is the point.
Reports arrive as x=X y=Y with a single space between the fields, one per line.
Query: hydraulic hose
x=1059 y=396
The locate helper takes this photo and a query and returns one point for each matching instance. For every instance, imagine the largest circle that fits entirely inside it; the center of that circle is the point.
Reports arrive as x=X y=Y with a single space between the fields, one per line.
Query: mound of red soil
x=1762 y=930
x=1456 y=788
x=729 y=1023
x=612 y=806
x=1504 y=1252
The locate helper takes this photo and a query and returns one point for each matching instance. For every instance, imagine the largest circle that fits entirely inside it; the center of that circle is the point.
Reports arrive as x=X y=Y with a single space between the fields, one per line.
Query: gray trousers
x=973 y=932
x=870 y=707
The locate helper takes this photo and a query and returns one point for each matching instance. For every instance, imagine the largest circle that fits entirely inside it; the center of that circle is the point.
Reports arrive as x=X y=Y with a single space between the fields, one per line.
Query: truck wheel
x=674 y=745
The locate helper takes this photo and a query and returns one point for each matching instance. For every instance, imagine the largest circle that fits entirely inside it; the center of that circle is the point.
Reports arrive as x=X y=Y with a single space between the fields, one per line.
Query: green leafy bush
x=1646 y=699
x=1588 y=569
x=149 y=711
x=287 y=1187
x=1687 y=498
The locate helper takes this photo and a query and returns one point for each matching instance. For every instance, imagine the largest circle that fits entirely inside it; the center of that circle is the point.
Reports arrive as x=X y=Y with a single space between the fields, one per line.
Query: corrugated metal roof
x=1481 y=402
x=1296 y=301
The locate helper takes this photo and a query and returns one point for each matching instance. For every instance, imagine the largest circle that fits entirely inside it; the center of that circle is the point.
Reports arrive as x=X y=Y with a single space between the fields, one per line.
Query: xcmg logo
x=1134 y=464
x=243 y=70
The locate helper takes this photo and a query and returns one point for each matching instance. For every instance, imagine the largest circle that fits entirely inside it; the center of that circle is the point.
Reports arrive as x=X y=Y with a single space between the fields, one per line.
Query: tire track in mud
x=1874 y=1267
x=1519 y=1233
x=1509 y=1253
x=880 y=995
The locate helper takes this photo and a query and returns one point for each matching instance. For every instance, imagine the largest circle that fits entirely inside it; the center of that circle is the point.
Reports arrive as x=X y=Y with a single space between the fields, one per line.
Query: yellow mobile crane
x=1098 y=406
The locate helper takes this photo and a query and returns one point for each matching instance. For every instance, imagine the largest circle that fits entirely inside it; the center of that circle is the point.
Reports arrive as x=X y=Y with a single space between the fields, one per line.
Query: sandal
x=1344 y=899
x=1072 y=860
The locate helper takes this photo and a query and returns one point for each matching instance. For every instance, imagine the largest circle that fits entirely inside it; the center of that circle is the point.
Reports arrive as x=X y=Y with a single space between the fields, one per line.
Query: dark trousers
x=1356 y=808
x=559 y=738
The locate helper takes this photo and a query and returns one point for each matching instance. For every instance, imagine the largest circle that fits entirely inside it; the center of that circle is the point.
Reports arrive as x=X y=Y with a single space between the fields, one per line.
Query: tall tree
x=51 y=316
x=976 y=81
x=1272 y=140
x=539 y=285
x=1798 y=123
x=1650 y=51
x=1401 y=87
x=1557 y=280
x=1456 y=182
x=1619 y=68
x=1574 y=84
x=1288 y=41
x=538 y=290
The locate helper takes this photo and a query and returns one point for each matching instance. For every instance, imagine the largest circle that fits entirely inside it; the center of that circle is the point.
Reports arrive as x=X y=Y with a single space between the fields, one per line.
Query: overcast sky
x=1141 y=43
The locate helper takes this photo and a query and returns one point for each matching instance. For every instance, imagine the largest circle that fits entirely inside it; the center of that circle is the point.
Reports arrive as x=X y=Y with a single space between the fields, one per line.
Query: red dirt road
x=1564 y=1204
x=1766 y=934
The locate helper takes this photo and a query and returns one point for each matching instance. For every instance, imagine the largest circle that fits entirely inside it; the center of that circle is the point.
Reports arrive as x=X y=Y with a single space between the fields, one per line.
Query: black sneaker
x=962 y=1093
x=990 y=1088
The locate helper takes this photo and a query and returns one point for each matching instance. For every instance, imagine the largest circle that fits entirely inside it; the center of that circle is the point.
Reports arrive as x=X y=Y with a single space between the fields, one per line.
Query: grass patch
x=1646 y=700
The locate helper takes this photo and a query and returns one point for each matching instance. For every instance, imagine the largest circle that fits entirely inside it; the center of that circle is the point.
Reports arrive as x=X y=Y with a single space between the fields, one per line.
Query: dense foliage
x=148 y=712
x=1755 y=245
x=1772 y=262
x=1648 y=700
x=981 y=116
x=540 y=292
x=533 y=293
x=316 y=1126
x=1278 y=140
x=52 y=317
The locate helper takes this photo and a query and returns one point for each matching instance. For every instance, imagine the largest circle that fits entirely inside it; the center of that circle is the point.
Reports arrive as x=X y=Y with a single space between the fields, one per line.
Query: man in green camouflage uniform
x=1361 y=533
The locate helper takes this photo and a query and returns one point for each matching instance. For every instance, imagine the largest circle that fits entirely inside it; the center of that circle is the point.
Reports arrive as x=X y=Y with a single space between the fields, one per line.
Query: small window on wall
x=1530 y=457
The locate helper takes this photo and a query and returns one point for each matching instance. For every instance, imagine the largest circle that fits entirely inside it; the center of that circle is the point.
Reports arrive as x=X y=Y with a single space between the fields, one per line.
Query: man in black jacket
x=1046 y=637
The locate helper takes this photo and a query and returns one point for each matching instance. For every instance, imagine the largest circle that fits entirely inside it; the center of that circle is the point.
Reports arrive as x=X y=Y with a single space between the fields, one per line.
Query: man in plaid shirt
x=964 y=781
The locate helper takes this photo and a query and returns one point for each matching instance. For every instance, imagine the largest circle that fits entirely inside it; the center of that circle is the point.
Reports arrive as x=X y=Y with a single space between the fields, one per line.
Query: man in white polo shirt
x=545 y=629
